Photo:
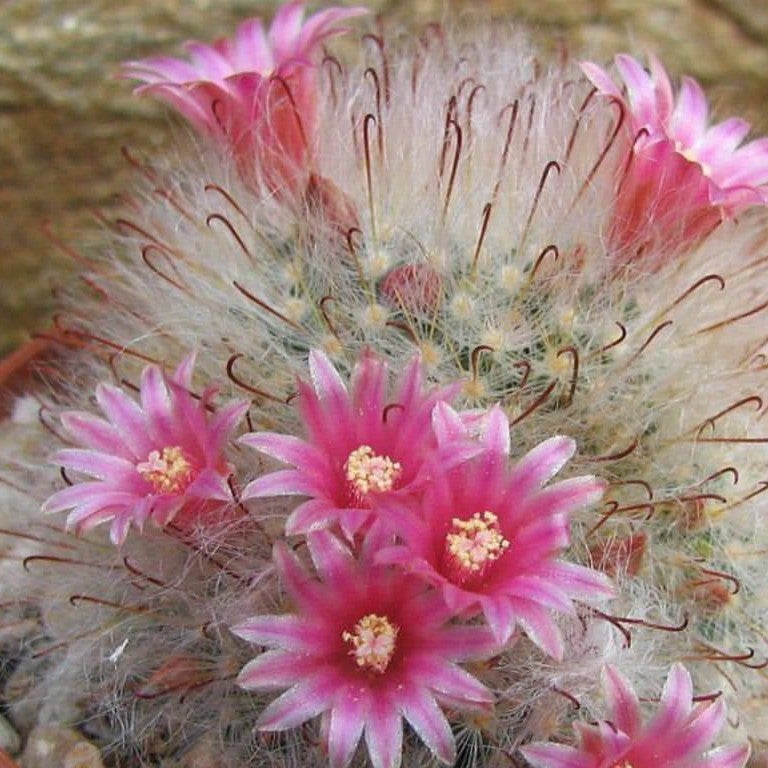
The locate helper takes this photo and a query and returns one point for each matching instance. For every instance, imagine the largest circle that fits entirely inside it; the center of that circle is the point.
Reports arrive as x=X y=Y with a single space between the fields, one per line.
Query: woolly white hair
x=490 y=177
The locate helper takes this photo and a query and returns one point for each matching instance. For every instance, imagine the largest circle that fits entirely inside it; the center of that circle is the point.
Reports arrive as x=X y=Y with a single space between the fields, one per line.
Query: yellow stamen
x=476 y=542
x=367 y=472
x=168 y=472
x=373 y=642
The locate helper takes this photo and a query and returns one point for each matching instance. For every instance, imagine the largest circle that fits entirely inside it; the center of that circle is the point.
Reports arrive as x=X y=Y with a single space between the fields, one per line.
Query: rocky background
x=64 y=117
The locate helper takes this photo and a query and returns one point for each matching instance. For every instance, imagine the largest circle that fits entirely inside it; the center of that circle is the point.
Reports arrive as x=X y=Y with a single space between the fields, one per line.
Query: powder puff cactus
x=367 y=648
x=458 y=230
x=257 y=90
x=676 y=737
x=488 y=536
x=162 y=460
x=362 y=447
x=682 y=176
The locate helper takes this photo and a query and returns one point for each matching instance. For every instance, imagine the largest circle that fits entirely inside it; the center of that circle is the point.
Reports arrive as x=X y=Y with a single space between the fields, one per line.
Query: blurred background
x=64 y=116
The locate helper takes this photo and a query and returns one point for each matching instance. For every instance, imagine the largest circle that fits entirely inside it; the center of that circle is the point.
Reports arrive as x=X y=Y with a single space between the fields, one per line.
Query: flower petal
x=542 y=755
x=301 y=703
x=289 y=633
x=419 y=708
x=347 y=721
x=384 y=733
x=622 y=701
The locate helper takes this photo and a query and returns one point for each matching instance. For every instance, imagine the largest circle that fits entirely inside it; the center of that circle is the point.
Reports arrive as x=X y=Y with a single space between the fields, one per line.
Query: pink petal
x=301 y=703
x=325 y=378
x=464 y=643
x=286 y=482
x=700 y=731
x=600 y=79
x=665 y=99
x=540 y=628
x=224 y=422
x=252 y=50
x=449 y=680
x=311 y=516
x=730 y=756
x=209 y=484
x=291 y=450
x=73 y=496
x=369 y=383
x=384 y=733
x=157 y=405
x=289 y=633
x=347 y=720
x=640 y=89
x=127 y=417
x=500 y=615
x=275 y=669
x=542 y=590
x=580 y=582
x=332 y=559
x=542 y=755
x=92 y=432
x=496 y=433
x=183 y=373
x=562 y=498
x=689 y=120
x=419 y=708
x=100 y=465
x=209 y=63
x=119 y=529
x=447 y=424
x=622 y=701
x=285 y=29
x=304 y=590
x=541 y=464
x=675 y=703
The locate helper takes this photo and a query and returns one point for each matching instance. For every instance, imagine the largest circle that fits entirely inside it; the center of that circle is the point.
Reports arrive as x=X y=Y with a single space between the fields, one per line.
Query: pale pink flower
x=682 y=176
x=367 y=647
x=361 y=447
x=160 y=460
x=257 y=90
x=676 y=737
x=488 y=535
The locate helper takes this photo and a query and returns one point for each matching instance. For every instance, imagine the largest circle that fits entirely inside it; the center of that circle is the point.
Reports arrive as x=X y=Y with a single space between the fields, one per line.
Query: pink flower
x=675 y=738
x=160 y=460
x=361 y=446
x=682 y=177
x=488 y=536
x=367 y=647
x=257 y=90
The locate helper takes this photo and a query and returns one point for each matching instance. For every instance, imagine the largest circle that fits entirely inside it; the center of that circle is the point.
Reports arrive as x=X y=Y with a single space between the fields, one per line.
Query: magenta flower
x=488 y=536
x=257 y=91
x=367 y=647
x=682 y=177
x=161 y=460
x=676 y=737
x=361 y=446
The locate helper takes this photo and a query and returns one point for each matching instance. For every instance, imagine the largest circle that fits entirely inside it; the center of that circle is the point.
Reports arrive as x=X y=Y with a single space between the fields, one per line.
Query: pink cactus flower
x=161 y=460
x=258 y=91
x=361 y=447
x=488 y=536
x=676 y=737
x=682 y=177
x=367 y=647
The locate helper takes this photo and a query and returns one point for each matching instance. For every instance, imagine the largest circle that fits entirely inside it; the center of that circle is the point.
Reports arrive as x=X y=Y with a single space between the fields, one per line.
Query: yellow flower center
x=168 y=472
x=373 y=642
x=474 y=543
x=367 y=472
